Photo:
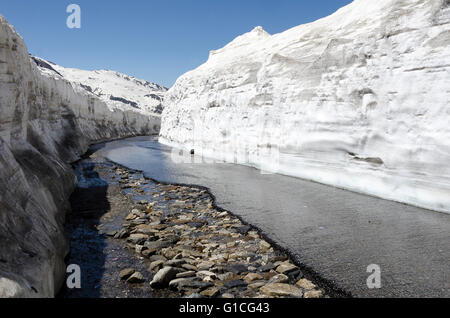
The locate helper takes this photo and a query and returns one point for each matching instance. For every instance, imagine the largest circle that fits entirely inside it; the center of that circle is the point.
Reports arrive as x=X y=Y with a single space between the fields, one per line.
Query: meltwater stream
x=334 y=232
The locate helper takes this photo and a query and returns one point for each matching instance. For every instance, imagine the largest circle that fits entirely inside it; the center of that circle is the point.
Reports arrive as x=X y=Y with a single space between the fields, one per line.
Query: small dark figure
x=192 y=152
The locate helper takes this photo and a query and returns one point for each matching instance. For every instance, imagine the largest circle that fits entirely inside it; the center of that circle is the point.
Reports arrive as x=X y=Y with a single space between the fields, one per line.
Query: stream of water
x=335 y=233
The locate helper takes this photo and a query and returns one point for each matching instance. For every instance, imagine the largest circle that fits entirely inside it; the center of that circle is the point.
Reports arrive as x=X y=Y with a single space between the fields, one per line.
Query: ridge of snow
x=257 y=34
x=358 y=100
x=116 y=89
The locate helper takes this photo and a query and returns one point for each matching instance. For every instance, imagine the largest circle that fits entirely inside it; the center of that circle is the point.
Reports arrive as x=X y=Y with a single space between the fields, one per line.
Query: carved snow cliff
x=46 y=122
x=358 y=100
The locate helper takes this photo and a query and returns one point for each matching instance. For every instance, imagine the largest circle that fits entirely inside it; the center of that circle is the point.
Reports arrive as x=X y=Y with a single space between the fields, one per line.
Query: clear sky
x=153 y=40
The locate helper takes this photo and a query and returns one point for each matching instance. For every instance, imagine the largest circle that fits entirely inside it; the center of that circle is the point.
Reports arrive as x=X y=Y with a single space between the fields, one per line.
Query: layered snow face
x=46 y=122
x=358 y=100
x=115 y=89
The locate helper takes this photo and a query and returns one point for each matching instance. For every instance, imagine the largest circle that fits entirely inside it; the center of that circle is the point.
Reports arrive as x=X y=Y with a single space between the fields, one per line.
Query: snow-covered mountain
x=46 y=123
x=116 y=89
x=358 y=100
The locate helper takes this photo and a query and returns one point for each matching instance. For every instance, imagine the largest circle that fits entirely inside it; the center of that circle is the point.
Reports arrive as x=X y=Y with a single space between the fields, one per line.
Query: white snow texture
x=46 y=122
x=358 y=100
x=115 y=89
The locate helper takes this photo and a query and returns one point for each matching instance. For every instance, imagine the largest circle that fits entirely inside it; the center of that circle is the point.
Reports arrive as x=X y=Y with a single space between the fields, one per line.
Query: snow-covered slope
x=46 y=122
x=359 y=100
x=115 y=89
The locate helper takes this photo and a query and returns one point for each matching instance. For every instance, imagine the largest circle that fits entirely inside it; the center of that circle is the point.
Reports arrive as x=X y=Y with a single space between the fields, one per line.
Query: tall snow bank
x=46 y=122
x=357 y=100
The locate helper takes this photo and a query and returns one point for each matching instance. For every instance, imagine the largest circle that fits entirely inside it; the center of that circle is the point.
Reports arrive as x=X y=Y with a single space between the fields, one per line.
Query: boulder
x=281 y=290
x=163 y=277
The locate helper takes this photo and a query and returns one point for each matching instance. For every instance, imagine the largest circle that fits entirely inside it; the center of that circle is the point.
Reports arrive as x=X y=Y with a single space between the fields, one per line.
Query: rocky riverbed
x=134 y=237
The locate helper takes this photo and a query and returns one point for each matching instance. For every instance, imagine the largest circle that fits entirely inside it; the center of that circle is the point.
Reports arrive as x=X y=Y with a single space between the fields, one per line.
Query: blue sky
x=153 y=40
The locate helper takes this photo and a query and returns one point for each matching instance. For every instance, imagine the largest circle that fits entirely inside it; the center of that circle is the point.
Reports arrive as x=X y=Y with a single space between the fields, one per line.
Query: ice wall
x=357 y=100
x=46 y=122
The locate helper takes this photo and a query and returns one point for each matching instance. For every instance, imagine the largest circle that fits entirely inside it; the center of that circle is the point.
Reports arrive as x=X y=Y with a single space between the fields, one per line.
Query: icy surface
x=115 y=89
x=358 y=100
x=46 y=122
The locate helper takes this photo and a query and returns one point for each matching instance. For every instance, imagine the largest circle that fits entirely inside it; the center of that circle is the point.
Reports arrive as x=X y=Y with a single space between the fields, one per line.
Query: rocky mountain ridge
x=114 y=88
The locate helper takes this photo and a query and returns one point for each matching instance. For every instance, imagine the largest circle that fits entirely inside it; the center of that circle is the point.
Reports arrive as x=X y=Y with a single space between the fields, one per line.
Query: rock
x=267 y=267
x=264 y=246
x=256 y=285
x=175 y=262
x=163 y=277
x=146 y=229
x=278 y=258
x=231 y=245
x=204 y=274
x=154 y=258
x=286 y=268
x=235 y=283
x=278 y=263
x=195 y=295
x=270 y=275
x=313 y=294
x=136 y=278
x=126 y=273
x=209 y=279
x=280 y=278
x=243 y=229
x=194 y=284
x=205 y=265
x=156 y=265
x=189 y=267
x=227 y=295
x=168 y=252
x=123 y=233
x=139 y=248
x=196 y=224
x=186 y=274
x=137 y=238
x=237 y=268
x=111 y=234
x=175 y=284
x=296 y=275
x=153 y=247
x=137 y=222
x=178 y=256
x=210 y=292
x=305 y=284
x=226 y=276
x=130 y=217
x=281 y=290
x=188 y=253
x=252 y=277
